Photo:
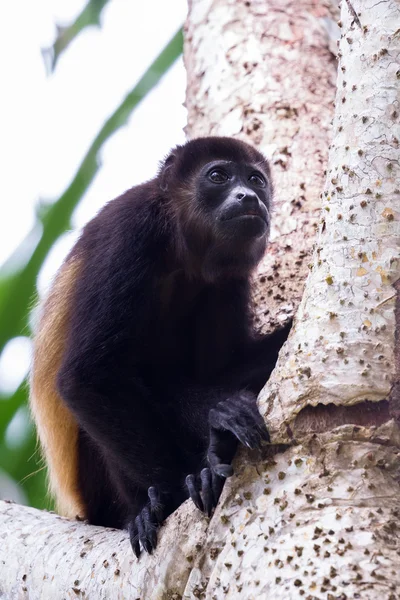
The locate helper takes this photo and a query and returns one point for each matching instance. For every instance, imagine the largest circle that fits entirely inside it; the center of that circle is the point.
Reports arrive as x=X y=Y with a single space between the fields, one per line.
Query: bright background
x=48 y=121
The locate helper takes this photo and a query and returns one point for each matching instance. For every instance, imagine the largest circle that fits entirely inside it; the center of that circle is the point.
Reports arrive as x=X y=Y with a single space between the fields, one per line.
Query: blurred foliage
x=22 y=464
x=90 y=15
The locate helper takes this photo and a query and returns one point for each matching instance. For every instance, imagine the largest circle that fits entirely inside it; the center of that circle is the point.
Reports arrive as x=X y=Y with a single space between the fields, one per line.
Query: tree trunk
x=316 y=514
x=335 y=391
x=263 y=71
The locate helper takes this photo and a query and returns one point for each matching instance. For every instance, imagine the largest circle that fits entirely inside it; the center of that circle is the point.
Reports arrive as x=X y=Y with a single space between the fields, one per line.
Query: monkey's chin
x=246 y=227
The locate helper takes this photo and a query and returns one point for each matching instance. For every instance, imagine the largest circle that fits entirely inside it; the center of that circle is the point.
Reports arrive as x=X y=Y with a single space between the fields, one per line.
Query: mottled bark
x=335 y=389
x=263 y=71
x=343 y=348
x=47 y=557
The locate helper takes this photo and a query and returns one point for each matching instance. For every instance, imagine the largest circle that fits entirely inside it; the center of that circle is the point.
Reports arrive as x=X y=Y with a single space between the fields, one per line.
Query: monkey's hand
x=231 y=420
x=234 y=419
x=143 y=527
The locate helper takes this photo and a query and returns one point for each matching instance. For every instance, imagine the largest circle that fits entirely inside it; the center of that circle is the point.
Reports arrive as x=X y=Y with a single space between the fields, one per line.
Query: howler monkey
x=146 y=367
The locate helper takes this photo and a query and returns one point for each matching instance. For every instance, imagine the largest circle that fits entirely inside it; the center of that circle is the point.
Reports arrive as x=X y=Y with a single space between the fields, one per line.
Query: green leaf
x=9 y=406
x=27 y=469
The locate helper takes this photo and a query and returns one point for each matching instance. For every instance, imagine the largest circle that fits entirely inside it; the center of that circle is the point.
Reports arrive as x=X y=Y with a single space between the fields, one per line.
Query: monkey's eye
x=257 y=179
x=218 y=176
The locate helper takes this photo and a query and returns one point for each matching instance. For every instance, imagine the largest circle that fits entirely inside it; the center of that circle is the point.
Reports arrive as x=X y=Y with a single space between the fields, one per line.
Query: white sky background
x=48 y=122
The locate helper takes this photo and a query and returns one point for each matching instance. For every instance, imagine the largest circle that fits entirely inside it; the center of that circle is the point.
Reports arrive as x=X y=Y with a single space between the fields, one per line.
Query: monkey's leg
x=137 y=445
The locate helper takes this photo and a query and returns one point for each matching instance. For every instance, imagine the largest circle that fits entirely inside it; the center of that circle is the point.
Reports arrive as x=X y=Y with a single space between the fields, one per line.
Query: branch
x=90 y=15
x=49 y=557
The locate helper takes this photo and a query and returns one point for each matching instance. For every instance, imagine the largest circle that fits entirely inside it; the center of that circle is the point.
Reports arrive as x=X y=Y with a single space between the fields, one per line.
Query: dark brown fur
x=159 y=333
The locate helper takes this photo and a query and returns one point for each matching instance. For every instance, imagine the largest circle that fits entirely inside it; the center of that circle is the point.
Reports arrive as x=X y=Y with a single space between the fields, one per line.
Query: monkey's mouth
x=246 y=223
x=251 y=214
x=247 y=215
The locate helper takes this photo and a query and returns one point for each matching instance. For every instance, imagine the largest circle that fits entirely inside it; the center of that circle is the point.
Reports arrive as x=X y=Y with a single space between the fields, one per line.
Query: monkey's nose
x=248 y=199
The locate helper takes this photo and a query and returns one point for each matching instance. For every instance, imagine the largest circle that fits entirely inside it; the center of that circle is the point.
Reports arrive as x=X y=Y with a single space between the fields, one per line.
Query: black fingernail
x=224 y=470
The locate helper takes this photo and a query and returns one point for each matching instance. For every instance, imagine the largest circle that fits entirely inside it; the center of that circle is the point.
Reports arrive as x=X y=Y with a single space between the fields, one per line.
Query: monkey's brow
x=255 y=165
x=235 y=162
x=221 y=160
x=260 y=164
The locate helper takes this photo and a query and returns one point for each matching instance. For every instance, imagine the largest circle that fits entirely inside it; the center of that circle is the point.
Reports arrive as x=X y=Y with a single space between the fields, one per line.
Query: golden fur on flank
x=56 y=426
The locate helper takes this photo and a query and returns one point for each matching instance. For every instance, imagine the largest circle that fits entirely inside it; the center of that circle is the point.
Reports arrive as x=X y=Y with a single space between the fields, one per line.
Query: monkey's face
x=235 y=199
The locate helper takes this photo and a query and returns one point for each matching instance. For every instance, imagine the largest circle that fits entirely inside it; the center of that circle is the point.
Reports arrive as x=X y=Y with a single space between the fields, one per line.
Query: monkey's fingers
x=251 y=439
x=156 y=504
x=246 y=436
x=134 y=538
x=218 y=467
x=254 y=432
x=221 y=451
x=150 y=527
x=147 y=530
x=222 y=470
x=194 y=491
x=240 y=419
x=141 y=533
x=264 y=432
x=260 y=426
x=217 y=486
x=207 y=491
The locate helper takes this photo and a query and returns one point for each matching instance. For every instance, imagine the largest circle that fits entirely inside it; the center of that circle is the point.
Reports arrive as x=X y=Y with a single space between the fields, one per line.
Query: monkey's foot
x=143 y=528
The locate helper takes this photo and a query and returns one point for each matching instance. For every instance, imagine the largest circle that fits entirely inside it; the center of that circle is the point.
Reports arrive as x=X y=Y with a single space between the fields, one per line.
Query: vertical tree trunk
x=263 y=71
x=320 y=520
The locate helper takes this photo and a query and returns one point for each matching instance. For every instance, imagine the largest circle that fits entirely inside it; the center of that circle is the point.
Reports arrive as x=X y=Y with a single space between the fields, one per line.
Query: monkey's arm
x=110 y=330
x=229 y=413
x=256 y=360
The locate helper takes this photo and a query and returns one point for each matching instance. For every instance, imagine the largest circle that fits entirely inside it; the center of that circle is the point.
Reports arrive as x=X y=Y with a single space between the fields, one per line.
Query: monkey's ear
x=165 y=173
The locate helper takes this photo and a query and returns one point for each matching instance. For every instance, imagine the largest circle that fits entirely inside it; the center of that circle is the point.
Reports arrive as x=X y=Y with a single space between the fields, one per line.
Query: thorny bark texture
x=47 y=557
x=344 y=346
x=263 y=72
x=334 y=389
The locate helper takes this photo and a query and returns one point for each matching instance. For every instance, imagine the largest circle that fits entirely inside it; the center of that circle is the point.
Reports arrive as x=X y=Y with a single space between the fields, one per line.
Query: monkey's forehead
x=200 y=151
x=235 y=163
